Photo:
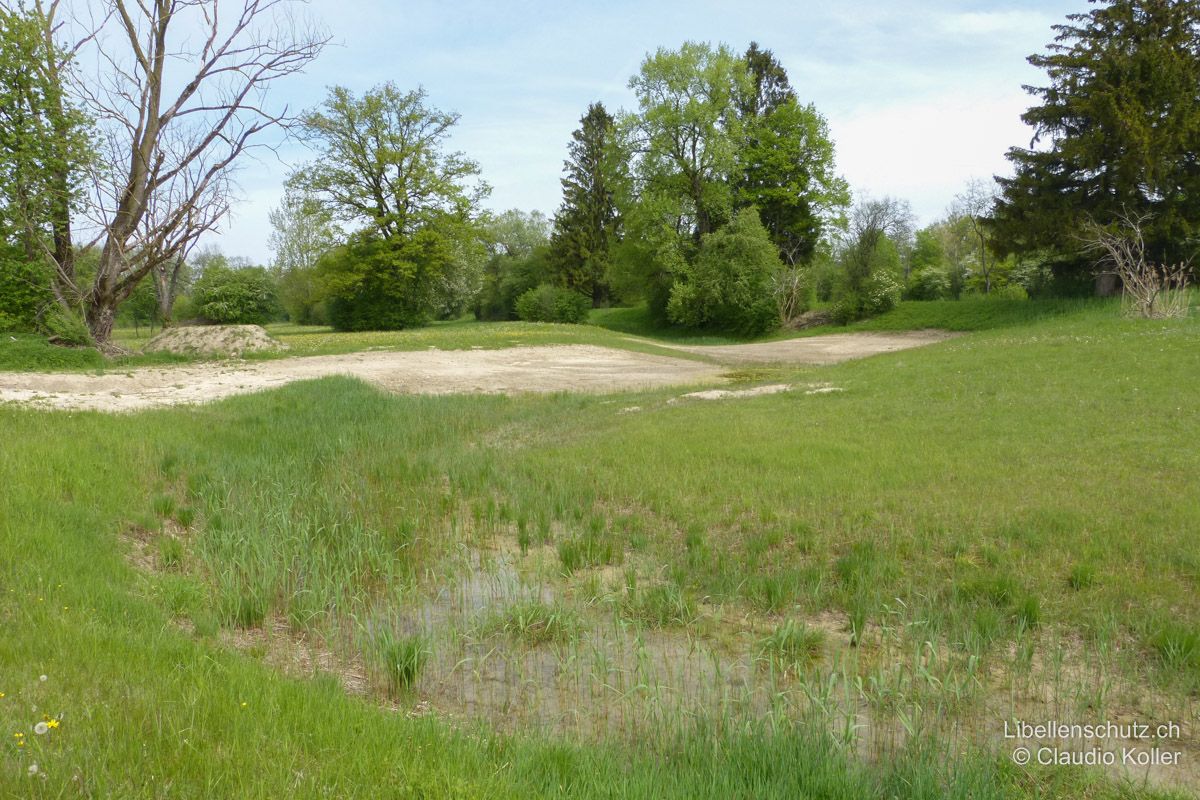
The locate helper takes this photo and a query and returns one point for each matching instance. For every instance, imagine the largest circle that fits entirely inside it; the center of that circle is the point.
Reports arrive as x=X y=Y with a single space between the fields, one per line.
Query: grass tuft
x=791 y=649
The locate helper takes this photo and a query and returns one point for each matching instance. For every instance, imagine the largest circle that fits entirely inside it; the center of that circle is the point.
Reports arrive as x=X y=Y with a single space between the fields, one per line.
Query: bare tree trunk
x=173 y=139
x=166 y=287
x=101 y=314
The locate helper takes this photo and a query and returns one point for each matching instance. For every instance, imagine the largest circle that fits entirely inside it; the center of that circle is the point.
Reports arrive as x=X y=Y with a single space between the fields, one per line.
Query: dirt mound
x=214 y=340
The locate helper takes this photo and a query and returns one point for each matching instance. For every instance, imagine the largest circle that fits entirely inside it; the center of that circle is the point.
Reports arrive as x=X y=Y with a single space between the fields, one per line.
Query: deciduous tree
x=382 y=162
x=44 y=140
x=974 y=204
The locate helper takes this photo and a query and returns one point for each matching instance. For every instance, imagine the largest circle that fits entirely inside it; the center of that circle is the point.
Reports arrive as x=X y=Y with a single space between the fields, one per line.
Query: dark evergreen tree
x=587 y=224
x=770 y=87
x=785 y=163
x=1120 y=125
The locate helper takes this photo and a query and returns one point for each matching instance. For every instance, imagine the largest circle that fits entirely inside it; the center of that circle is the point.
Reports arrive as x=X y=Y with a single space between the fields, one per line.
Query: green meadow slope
x=1007 y=515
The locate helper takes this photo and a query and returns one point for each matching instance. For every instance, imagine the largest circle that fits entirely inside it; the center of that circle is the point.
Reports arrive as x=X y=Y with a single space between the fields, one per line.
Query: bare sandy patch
x=731 y=394
x=552 y=368
x=828 y=349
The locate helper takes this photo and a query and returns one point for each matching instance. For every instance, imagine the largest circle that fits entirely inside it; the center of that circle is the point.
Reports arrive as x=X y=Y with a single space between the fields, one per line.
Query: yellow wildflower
x=52 y=724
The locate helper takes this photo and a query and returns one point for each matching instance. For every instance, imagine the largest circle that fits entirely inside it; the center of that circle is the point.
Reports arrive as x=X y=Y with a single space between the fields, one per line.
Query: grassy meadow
x=840 y=591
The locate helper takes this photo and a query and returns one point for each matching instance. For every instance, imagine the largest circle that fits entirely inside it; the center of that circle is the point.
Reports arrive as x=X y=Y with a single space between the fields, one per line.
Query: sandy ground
x=827 y=349
x=575 y=368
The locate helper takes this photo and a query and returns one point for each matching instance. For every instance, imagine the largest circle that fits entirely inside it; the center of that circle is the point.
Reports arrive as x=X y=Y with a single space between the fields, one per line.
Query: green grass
x=969 y=314
x=463 y=334
x=980 y=313
x=791 y=648
x=946 y=499
x=636 y=321
x=534 y=623
x=24 y=351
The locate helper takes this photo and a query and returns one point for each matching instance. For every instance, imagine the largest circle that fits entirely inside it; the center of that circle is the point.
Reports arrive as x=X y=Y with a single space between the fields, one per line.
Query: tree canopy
x=1116 y=132
x=588 y=223
x=382 y=161
x=715 y=134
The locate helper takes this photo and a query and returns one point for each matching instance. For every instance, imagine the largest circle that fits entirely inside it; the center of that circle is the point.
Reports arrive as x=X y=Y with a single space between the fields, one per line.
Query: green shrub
x=930 y=283
x=1013 y=291
x=505 y=279
x=731 y=284
x=879 y=293
x=244 y=296
x=24 y=290
x=65 y=327
x=385 y=284
x=299 y=294
x=549 y=303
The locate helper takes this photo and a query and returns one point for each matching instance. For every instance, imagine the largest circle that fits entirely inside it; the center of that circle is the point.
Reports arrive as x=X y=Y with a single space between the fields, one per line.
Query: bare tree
x=975 y=204
x=1151 y=291
x=178 y=93
x=870 y=222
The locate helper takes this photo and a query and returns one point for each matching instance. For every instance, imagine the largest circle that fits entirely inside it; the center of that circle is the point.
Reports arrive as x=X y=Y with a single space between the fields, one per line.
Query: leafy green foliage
x=65 y=326
x=43 y=138
x=383 y=167
x=716 y=134
x=244 y=295
x=301 y=297
x=24 y=290
x=549 y=303
x=142 y=307
x=520 y=261
x=384 y=284
x=1118 y=121
x=730 y=286
x=878 y=294
x=507 y=278
x=870 y=263
x=690 y=135
x=381 y=161
x=928 y=283
x=302 y=230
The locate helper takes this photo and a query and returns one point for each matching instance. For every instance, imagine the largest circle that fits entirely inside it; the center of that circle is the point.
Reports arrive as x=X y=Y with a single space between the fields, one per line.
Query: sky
x=919 y=97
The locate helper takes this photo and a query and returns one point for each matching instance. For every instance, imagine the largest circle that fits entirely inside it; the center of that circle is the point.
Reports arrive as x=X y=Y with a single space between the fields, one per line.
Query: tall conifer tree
x=1119 y=125
x=587 y=224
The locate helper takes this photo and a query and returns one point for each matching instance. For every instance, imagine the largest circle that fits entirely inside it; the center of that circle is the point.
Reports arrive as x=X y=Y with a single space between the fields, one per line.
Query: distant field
x=839 y=591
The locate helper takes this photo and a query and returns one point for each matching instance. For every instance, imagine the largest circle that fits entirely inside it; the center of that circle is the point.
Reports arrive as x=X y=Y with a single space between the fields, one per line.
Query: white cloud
x=925 y=151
